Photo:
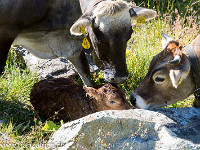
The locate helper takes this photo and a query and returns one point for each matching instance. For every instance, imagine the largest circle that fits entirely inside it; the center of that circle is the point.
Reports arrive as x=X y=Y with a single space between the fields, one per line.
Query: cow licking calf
x=54 y=28
x=64 y=99
x=173 y=75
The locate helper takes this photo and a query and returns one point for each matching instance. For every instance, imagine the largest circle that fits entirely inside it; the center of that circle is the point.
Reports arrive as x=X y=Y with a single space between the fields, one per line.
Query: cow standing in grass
x=54 y=28
x=173 y=75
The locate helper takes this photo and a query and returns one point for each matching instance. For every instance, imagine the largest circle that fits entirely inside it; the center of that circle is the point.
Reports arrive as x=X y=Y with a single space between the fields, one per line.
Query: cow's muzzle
x=138 y=101
x=111 y=76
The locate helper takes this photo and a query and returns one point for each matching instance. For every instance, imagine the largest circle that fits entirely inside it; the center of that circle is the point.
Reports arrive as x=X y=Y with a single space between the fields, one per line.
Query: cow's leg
x=7 y=36
x=4 y=49
x=196 y=103
x=3 y=57
x=81 y=64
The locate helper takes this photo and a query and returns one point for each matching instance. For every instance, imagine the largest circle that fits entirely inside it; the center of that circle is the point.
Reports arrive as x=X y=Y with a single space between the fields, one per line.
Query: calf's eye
x=159 y=79
x=112 y=102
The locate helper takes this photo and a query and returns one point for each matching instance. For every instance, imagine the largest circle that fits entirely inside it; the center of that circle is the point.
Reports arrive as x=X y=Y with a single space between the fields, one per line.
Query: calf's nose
x=133 y=99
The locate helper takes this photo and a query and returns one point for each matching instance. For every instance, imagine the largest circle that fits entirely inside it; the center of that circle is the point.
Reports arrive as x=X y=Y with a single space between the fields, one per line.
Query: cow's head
x=109 y=29
x=168 y=80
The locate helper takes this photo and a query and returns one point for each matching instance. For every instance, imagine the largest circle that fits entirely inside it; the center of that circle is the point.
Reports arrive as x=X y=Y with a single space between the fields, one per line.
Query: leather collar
x=195 y=67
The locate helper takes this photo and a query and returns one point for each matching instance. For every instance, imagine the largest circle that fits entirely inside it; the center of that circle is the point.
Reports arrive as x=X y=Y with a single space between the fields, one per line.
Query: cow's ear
x=80 y=26
x=179 y=73
x=148 y=14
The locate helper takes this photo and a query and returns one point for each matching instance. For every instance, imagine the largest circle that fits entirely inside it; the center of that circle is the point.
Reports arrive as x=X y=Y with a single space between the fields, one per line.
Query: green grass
x=22 y=124
x=146 y=42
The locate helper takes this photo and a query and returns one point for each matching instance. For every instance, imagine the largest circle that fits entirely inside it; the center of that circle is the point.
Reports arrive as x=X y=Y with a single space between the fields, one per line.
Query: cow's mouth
x=138 y=102
x=110 y=75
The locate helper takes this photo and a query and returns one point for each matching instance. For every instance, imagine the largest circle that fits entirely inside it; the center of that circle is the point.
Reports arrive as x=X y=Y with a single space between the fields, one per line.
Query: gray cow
x=173 y=75
x=52 y=28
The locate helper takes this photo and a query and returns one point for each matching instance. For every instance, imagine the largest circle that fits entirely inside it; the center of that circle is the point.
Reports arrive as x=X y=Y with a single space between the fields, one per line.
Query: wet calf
x=64 y=99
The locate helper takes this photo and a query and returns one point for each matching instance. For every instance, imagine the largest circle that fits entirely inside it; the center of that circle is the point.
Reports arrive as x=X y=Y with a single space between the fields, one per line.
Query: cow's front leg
x=7 y=36
x=3 y=55
x=81 y=64
x=196 y=103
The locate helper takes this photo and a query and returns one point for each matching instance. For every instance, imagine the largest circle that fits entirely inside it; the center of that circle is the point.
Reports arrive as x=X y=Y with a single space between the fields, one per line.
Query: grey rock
x=161 y=129
x=49 y=68
x=4 y=137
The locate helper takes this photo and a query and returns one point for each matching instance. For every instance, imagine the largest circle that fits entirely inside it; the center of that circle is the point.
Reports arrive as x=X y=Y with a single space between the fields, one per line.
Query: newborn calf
x=64 y=99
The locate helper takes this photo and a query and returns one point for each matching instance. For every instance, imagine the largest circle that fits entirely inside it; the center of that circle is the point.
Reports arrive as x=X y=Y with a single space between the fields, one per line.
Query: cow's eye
x=159 y=79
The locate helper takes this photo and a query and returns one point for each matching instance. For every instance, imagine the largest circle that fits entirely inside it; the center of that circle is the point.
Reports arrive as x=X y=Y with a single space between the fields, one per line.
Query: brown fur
x=64 y=99
x=171 y=49
x=178 y=81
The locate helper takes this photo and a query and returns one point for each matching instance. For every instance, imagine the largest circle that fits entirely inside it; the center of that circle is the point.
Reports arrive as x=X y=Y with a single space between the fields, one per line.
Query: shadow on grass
x=17 y=113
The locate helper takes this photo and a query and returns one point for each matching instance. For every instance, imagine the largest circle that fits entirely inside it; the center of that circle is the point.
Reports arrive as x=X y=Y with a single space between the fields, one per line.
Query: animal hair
x=71 y=101
x=170 y=49
x=111 y=7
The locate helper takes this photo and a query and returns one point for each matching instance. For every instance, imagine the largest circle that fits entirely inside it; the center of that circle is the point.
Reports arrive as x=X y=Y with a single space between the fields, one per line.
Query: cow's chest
x=48 y=45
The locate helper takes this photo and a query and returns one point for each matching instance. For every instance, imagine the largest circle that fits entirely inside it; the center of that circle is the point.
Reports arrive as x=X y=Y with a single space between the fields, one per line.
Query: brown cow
x=64 y=99
x=170 y=76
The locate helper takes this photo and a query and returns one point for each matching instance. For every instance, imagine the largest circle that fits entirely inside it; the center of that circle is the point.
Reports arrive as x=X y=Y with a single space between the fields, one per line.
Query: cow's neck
x=196 y=44
x=88 y=5
x=193 y=52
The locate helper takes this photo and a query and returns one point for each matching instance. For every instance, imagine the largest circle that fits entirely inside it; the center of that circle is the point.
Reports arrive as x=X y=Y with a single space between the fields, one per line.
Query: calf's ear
x=80 y=26
x=148 y=14
x=92 y=92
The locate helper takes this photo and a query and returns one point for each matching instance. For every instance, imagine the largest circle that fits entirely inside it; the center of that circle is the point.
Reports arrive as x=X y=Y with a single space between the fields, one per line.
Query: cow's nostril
x=133 y=99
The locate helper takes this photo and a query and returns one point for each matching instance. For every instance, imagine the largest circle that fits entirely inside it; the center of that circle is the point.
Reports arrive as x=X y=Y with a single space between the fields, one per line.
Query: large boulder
x=131 y=129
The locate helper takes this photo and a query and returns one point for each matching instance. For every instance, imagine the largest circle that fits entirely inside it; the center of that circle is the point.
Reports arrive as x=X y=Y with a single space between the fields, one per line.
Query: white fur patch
x=174 y=83
x=141 y=103
x=177 y=76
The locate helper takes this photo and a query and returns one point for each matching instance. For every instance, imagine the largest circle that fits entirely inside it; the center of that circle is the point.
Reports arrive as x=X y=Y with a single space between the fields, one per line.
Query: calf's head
x=108 y=97
x=169 y=78
x=109 y=28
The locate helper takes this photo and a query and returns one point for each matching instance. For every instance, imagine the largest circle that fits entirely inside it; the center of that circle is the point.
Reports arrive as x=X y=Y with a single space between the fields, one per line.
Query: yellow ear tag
x=140 y=19
x=86 y=43
x=181 y=79
x=82 y=30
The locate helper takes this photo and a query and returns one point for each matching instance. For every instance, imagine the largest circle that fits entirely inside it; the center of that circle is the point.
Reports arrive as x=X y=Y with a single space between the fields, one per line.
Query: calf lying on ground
x=64 y=99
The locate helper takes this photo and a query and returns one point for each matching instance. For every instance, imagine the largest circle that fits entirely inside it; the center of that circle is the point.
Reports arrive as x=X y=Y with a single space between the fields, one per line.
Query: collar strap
x=195 y=67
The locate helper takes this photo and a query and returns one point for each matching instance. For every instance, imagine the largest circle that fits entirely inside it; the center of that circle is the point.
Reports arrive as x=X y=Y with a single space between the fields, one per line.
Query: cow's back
x=49 y=36
x=48 y=14
x=22 y=13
